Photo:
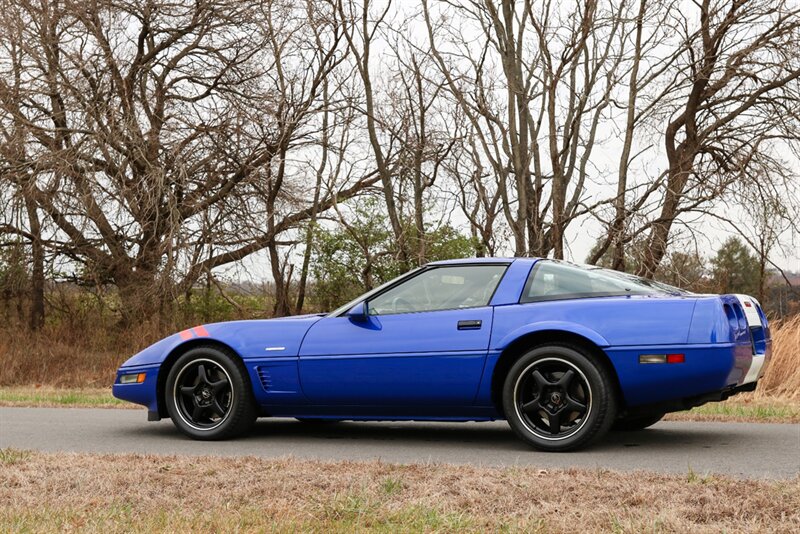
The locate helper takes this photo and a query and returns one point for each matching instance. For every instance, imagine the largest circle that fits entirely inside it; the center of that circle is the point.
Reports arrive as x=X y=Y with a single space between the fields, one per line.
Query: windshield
x=447 y=287
x=340 y=310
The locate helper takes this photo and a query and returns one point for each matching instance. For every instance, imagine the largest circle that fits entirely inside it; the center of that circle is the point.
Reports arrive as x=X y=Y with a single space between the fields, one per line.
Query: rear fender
x=541 y=326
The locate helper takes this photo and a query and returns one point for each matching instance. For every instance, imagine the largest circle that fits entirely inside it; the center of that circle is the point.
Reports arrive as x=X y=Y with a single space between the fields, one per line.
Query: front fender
x=254 y=339
x=155 y=353
x=541 y=326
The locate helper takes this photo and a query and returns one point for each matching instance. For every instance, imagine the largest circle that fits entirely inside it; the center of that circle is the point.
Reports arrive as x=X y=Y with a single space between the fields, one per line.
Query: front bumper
x=144 y=393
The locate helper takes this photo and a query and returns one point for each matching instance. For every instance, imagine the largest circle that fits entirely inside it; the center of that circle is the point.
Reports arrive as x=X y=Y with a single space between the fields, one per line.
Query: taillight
x=676 y=358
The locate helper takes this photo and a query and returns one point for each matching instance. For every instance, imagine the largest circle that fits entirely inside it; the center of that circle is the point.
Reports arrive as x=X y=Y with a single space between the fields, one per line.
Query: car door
x=423 y=341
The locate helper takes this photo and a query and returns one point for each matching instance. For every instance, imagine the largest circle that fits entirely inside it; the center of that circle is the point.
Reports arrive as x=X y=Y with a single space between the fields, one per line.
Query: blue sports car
x=562 y=352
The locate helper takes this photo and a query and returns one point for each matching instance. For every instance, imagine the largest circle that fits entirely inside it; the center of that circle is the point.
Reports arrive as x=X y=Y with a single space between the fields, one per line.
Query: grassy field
x=121 y=493
x=742 y=408
x=49 y=397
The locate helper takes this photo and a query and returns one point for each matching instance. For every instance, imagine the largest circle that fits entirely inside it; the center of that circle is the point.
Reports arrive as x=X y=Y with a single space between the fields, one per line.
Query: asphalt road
x=736 y=449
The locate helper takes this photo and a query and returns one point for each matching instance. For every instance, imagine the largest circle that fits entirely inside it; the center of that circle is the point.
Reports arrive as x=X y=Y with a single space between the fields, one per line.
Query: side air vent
x=265 y=378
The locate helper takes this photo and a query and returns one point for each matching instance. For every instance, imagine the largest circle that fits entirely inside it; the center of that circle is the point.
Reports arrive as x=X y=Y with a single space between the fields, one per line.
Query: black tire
x=559 y=398
x=208 y=394
x=636 y=422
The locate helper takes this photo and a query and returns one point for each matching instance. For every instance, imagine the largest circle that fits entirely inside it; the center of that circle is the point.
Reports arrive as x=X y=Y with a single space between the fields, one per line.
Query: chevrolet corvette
x=562 y=352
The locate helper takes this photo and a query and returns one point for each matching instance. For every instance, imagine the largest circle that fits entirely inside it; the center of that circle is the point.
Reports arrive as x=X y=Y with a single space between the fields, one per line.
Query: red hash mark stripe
x=200 y=331
x=186 y=334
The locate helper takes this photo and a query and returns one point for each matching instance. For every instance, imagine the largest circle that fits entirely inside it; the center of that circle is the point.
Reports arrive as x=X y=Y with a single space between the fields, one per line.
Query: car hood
x=258 y=338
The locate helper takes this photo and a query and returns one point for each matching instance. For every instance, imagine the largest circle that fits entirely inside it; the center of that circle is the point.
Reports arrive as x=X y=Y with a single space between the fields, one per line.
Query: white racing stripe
x=750 y=311
x=755 y=369
x=749 y=305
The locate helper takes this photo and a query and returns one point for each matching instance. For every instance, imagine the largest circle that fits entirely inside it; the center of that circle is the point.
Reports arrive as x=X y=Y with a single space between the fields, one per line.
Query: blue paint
x=408 y=359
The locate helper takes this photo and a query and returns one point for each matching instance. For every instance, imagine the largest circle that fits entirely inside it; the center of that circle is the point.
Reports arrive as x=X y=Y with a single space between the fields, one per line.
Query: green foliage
x=356 y=257
x=735 y=269
x=391 y=485
x=442 y=243
x=11 y=456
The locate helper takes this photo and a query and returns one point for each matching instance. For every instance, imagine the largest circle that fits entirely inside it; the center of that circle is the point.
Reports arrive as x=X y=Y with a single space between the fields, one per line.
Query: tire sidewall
x=241 y=403
x=602 y=409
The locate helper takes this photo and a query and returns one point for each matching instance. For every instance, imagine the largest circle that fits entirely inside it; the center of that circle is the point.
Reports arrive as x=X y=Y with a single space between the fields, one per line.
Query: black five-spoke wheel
x=553 y=398
x=203 y=394
x=208 y=394
x=558 y=397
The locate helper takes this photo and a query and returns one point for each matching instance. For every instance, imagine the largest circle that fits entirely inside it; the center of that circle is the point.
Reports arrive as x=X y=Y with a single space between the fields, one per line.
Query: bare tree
x=537 y=128
x=734 y=100
x=360 y=33
x=147 y=145
x=144 y=120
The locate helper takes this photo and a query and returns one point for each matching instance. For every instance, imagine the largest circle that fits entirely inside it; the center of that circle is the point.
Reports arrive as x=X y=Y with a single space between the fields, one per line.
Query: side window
x=551 y=280
x=441 y=288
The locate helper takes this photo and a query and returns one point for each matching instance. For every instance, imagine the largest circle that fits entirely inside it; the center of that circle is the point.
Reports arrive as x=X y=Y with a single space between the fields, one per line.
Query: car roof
x=461 y=261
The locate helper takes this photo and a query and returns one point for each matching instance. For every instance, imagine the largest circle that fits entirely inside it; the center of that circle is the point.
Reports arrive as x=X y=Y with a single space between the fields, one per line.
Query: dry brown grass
x=782 y=376
x=63 y=355
x=63 y=492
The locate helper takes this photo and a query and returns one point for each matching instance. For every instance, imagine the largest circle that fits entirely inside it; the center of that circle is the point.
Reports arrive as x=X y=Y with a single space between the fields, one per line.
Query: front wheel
x=208 y=394
x=558 y=398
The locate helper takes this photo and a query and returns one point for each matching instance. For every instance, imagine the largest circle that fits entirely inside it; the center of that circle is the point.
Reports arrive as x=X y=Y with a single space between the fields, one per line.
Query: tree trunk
x=139 y=295
x=36 y=318
x=281 y=307
x=617 y=229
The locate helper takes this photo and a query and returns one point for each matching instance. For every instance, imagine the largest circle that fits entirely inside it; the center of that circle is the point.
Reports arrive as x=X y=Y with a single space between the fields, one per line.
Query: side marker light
x=136 y=378
x=662 y=358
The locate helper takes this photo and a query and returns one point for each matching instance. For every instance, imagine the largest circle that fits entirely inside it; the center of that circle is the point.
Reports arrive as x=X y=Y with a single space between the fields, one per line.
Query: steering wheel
x=401 y=305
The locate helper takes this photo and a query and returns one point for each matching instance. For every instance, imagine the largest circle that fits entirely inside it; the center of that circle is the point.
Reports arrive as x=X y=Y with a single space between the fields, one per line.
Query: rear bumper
x=709 y=369
x=687 y=403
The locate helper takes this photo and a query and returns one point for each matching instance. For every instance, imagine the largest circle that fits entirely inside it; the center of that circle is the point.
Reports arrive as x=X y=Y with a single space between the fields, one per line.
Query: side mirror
x=359 y=313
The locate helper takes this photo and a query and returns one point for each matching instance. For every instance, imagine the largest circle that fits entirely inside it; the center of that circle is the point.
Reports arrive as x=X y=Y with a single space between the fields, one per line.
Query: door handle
x=474 y=324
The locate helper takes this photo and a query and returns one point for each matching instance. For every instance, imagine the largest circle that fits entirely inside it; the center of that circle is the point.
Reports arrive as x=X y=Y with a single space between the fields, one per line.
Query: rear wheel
x=558 y=398
x=208 y=394
x=636 y=422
